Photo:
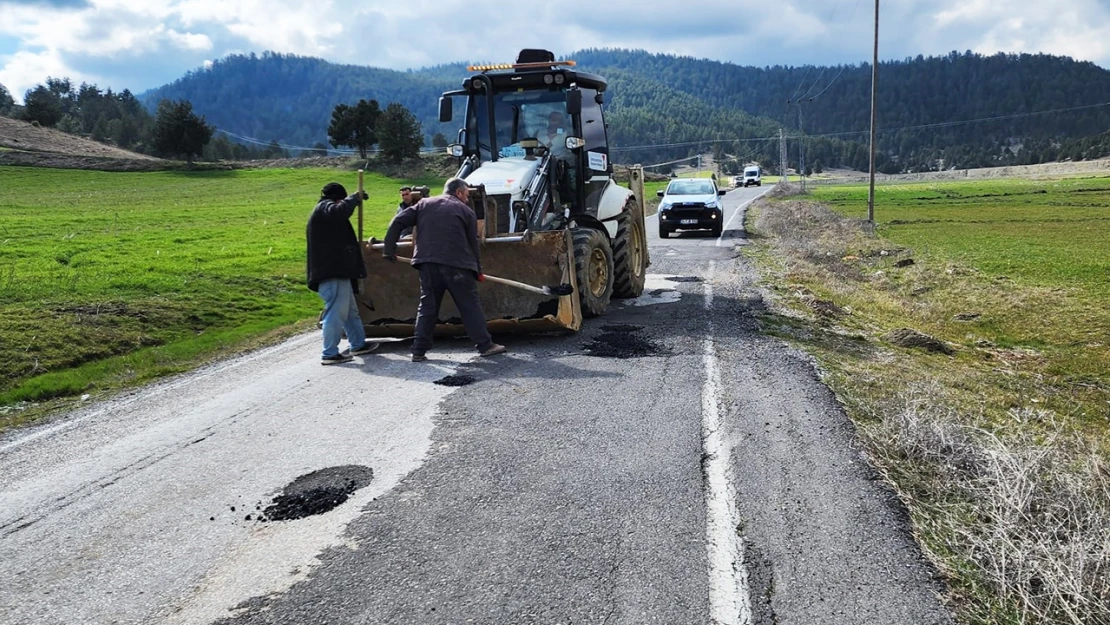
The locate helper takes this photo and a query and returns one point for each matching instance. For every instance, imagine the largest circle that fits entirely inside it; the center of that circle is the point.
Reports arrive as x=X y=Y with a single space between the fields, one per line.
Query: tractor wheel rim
x=599 y=273
x=637 y=252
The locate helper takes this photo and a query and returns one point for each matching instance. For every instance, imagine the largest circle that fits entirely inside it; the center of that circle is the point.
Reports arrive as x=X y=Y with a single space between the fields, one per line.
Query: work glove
x=389 y=258
x=365 y=195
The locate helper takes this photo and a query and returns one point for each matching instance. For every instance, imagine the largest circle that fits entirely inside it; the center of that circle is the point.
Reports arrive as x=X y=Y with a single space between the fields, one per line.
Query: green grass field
x=111 y=278
x=1049 y=233
x=1040 y=256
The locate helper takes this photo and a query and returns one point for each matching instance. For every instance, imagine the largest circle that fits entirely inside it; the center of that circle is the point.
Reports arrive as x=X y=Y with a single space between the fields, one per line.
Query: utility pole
x=874 y=106
x=782 y=155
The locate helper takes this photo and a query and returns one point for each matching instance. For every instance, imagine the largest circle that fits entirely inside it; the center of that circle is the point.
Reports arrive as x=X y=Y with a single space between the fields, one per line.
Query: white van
x=753 y=175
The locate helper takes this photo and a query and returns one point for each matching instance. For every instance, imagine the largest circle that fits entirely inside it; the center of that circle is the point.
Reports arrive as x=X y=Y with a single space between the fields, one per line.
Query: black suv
x=691 y=204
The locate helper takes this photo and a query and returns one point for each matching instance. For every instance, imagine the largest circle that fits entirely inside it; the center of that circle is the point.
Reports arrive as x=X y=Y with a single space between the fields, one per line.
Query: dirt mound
x=907 y=337
x=23 y=136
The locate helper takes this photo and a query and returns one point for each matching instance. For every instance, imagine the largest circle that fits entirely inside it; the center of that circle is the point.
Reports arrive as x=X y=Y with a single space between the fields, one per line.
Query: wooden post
x=360 y=188
x=636 y=184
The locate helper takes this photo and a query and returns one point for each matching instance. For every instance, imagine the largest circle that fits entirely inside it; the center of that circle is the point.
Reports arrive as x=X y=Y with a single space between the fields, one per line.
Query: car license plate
x=688 y=222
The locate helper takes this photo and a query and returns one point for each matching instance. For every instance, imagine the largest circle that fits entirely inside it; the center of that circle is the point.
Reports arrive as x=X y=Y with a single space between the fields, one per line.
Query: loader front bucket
x=391 y=291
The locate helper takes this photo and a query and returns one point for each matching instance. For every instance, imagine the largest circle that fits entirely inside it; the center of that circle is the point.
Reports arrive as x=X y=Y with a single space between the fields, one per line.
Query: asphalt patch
x=621 y=341
x=621 y=327
x=684 y=279
x=317 y=492
x=456 y=380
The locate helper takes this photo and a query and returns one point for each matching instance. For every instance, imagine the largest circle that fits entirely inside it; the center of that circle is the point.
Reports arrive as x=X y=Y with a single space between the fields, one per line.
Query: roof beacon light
x=503 y=66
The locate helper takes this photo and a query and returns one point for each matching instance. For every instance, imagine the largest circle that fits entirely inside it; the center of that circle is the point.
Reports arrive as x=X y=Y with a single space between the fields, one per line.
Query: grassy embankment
x=994 y=435
x=111 y=279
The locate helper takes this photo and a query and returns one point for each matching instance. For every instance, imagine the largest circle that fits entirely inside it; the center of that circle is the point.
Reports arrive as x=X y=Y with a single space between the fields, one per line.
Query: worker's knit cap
x=333 y=191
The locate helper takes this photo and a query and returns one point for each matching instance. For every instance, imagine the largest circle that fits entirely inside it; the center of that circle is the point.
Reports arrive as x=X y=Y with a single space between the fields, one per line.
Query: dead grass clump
x=1026 y=508
x=908 y=337
x=811 y=231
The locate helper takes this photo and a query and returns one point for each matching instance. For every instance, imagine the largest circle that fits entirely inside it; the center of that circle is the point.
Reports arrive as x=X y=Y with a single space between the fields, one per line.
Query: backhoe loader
x=534 y=150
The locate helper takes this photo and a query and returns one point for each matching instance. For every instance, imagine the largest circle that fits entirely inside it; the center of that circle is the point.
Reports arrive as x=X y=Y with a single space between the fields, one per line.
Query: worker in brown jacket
x=445 y=251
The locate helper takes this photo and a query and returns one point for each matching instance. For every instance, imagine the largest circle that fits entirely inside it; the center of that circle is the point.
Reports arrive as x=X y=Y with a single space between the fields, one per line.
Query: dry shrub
x=1027 y=507
x=809 y=230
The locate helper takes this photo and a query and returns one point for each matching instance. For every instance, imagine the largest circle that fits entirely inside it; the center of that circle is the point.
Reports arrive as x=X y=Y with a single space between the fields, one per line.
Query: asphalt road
x=709 y=478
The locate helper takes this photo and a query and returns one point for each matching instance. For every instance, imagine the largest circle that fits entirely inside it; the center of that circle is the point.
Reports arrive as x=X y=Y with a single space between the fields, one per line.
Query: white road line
x=735 y=213
x=729 y=595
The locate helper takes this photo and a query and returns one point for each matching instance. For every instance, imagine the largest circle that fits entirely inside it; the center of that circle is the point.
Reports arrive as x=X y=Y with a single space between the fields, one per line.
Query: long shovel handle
x=519 y=285
x=505 y=281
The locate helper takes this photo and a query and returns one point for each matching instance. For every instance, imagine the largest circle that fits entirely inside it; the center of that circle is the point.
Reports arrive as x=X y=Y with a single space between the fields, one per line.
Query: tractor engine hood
x=506 y=175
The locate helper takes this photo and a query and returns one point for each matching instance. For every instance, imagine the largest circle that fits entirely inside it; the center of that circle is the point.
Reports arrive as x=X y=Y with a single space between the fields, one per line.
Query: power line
x=625 y=148
x=286 y=146
x=967 y=121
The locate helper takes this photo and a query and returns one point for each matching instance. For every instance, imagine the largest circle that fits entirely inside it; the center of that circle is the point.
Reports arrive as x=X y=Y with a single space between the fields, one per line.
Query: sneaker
x=339 y=358
x=494 y=350
x=419 y=357
x=366 y=348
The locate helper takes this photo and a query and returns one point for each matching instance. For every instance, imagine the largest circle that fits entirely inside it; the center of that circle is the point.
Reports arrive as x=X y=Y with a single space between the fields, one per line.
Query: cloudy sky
x=141 y=44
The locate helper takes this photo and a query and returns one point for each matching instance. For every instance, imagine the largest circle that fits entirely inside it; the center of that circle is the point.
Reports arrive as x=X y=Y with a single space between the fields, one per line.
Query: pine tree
x=399 y=133
x=354 y=126
x=178 y=131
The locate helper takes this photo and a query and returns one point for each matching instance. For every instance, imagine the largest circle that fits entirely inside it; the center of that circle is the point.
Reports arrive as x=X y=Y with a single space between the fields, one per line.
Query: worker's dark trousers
x=462 y=284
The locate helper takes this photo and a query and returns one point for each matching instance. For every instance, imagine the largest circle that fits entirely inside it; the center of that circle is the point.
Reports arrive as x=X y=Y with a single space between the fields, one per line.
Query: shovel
x=558 y=290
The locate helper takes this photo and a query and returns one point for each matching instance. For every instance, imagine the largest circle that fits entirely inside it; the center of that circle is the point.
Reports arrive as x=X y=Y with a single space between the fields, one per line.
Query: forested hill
x=939 y=93
x=661 y=99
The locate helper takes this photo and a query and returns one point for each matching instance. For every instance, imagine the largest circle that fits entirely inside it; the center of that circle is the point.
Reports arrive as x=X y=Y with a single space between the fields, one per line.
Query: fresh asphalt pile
x=622 y=341
x=316 y=493
x=456 y=380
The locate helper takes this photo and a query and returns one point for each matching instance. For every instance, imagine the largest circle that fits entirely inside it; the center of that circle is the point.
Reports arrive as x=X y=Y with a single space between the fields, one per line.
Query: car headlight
x=713 y=204
x=664 y=205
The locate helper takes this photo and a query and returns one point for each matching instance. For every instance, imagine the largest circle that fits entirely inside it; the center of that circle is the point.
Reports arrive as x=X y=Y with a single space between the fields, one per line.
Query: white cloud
x=142 y=45
x=189 y=41
x=23 y=70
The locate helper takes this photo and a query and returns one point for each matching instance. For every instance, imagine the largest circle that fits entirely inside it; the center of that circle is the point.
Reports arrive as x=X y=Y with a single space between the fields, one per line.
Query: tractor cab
x=534 y=135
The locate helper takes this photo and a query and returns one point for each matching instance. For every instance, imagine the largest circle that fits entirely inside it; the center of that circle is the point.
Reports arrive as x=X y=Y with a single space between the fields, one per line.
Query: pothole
x=621 y=341
x=317 y=492
x=684 y=279
x=455 y=380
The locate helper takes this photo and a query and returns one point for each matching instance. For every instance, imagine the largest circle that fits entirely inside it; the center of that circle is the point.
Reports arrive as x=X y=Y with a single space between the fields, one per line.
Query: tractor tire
x=630 y=254
x=593 y=268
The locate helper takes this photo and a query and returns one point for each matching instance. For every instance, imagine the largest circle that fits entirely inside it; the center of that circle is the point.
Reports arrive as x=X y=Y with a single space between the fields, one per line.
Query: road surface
x=668 y=464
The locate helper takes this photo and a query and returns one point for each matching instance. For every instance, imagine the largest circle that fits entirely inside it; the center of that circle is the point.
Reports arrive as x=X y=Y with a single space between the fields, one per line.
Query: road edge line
x=729 y=594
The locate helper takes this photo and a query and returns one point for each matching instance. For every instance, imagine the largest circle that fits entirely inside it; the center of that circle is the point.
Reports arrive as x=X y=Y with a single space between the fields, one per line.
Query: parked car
x=691 y=204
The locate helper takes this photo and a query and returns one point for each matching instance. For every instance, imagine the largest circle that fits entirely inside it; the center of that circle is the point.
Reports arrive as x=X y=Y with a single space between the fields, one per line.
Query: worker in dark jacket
x=406 y=201
x=334 y=268
x=446 y=253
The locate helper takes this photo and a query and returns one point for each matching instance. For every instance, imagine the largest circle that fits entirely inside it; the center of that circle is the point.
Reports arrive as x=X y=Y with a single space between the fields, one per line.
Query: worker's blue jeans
x=462 y=284
x=340 y=315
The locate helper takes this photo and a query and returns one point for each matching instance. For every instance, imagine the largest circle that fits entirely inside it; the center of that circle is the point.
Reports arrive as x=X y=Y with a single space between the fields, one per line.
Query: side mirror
x=457 y=150
x=659 y=193
x=722 y=191
x=574 y=102
x=574 y=143
x=445 y=109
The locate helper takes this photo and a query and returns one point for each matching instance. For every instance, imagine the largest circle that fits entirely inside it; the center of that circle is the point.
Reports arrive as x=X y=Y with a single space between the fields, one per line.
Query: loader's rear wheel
x=593 y=267
x=630 y=254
